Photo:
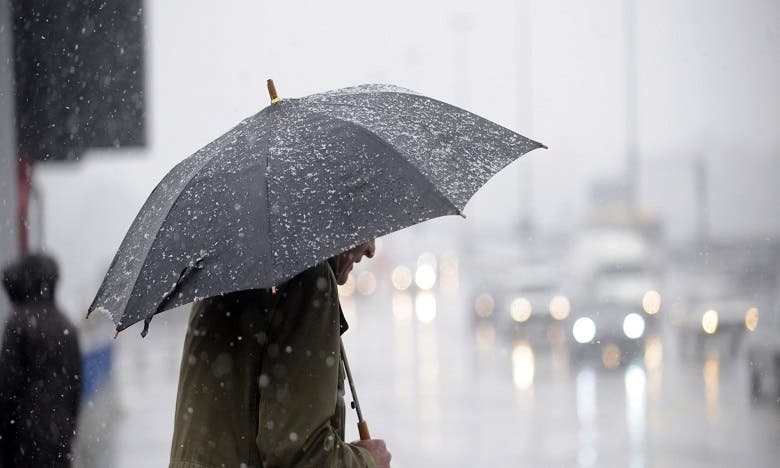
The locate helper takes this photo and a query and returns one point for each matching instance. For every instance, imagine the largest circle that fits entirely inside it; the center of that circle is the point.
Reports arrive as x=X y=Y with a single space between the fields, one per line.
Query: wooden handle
x=363 y=430
x=272 y=92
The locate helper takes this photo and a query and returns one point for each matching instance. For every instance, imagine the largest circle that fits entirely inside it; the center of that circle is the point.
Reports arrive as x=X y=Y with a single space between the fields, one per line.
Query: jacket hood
x=31 y=279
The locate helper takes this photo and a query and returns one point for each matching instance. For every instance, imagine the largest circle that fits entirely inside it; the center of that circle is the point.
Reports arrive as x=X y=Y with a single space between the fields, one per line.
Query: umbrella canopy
x=297 y=183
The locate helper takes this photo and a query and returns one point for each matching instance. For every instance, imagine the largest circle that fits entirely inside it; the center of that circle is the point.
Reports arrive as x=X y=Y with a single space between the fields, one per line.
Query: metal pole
x=9 y=238
x=362 y=425
x=524 y=89
x=702 y=201
x=630 y=51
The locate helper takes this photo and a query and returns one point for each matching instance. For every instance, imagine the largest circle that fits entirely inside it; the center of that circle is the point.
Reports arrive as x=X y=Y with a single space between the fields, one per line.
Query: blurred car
x=607 y=331
x=619 y=274
x=523 y=299
x=763 y=356
x=715 y=321
x=532 y=303
x=615 y=310
x=632 y=286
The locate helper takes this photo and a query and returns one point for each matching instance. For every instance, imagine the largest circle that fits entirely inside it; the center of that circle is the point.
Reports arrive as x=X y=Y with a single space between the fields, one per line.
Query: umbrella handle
x=272 y=92
x=363 y=430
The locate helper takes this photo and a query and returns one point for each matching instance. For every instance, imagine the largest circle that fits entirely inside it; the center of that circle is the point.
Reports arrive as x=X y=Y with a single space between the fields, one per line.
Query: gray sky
x=552 y=70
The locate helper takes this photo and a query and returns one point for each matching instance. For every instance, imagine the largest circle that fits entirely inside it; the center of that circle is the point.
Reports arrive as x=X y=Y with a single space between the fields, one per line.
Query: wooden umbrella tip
x=272 y=91
x=544 y=146
x=116 y=333
x=87 y=317
x=462 y=214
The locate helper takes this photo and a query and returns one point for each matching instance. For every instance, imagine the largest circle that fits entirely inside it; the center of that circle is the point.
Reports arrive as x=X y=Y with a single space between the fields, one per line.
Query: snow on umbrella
x=298 y=182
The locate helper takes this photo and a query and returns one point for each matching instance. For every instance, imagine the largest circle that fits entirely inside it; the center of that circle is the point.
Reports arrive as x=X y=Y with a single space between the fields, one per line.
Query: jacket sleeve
x=299 y=380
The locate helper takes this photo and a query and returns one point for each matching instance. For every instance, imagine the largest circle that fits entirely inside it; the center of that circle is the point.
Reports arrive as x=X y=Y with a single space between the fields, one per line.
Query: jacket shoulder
x=320 y=276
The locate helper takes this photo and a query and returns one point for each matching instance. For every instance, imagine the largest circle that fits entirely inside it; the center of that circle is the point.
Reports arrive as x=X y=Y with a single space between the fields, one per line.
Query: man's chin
x=343 y=276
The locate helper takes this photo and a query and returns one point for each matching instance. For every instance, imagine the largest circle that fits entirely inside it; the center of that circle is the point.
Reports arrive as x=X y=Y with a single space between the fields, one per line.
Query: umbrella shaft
x=351 y=382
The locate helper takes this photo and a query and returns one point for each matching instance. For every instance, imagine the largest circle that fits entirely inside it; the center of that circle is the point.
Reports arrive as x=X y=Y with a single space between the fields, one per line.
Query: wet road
x=466 y=395
x=444 y=391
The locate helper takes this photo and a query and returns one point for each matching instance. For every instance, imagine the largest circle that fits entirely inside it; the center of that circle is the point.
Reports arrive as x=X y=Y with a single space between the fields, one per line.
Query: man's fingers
x=378 y=450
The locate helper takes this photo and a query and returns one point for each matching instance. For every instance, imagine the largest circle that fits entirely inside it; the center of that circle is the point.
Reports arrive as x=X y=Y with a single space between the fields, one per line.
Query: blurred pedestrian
x=40 y=370
x=262 y=383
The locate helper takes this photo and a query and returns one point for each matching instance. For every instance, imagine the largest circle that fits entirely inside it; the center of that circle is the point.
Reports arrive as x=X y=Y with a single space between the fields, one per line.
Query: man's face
x=344 y=262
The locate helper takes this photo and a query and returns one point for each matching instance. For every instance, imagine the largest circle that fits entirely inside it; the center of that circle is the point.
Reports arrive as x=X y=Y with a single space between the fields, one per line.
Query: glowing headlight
x=366 y=283
x=520 y=309
x=709 y=321
x=560 y=307
x=401 y=278
x=633 y=325
x=584 y=330
x=425 y=277
x=483 y=305
x=651 y=302
x=751 y=318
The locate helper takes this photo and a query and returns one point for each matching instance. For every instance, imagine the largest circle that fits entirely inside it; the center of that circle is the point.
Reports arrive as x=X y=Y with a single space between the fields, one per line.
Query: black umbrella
x=298 y=182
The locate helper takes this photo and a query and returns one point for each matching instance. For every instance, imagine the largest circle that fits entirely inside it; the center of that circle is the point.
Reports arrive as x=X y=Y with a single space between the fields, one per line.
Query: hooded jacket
x=40 y=370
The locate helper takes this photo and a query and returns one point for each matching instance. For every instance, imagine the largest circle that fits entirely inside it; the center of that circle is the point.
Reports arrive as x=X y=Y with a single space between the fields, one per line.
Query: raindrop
x=293 y=436
x=263 y=381
x=222 y=365
x=328 y=443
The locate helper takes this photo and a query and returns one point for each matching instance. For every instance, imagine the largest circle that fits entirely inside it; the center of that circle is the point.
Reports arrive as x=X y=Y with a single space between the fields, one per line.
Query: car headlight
x=751 y=318
x=709 y=321
x=520 y=309
x=651 y=302
x=584 y=330
x=633 y=326
x=560 y=307
x=483 y=305
x=425 y=277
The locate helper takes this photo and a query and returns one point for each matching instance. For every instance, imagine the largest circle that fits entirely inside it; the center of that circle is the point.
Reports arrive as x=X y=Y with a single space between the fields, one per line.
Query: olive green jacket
x=261 y=380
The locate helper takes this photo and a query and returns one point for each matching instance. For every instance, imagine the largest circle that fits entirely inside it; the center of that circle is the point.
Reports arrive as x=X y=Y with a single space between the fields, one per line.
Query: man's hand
x=378 y=450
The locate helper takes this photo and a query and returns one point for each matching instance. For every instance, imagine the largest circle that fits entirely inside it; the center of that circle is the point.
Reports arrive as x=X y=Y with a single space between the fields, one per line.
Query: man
x=261 y=380
x=40 y=370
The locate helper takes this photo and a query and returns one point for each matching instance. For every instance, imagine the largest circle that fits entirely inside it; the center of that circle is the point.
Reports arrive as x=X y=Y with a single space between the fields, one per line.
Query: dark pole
x=702 y=201
x=632 y=108
x=9 y=240
x=24 y=184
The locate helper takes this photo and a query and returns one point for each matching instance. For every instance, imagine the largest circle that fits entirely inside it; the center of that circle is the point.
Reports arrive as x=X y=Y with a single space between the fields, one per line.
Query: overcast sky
x=553 y=70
